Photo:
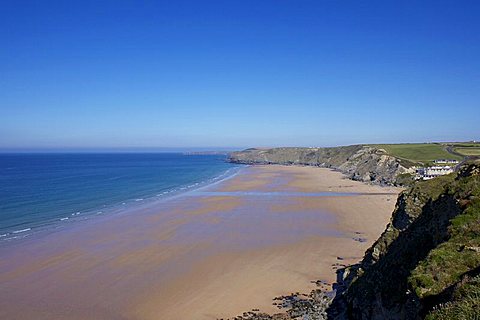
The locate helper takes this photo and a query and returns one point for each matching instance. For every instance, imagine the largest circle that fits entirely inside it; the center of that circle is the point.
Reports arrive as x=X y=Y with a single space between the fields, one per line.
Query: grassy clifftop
x=418 y=152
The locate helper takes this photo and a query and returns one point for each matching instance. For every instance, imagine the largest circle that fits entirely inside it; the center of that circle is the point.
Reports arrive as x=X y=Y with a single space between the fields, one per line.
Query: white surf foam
x=20 y=231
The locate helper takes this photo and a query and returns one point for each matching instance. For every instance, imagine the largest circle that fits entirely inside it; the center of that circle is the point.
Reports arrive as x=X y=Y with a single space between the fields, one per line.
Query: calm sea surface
x=38 y=191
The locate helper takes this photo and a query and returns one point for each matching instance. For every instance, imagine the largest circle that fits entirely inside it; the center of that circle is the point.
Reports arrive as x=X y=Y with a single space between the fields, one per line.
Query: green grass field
x=468 y=151
x=418 y=152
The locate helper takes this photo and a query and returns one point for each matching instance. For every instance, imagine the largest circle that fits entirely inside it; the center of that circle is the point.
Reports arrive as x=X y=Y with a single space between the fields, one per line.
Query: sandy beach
x=207 y=254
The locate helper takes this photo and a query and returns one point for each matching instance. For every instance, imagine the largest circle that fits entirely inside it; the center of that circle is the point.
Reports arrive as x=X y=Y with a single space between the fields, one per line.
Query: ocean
x=41 y=191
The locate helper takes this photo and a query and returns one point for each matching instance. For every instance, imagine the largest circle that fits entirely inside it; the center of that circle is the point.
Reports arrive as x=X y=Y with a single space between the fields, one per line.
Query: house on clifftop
x=428 y=173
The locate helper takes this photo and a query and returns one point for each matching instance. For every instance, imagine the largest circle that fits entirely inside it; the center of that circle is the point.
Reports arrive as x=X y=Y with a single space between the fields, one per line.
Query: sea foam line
x=20 y=231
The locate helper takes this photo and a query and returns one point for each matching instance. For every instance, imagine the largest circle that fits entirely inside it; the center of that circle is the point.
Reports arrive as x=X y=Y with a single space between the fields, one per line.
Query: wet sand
x=210 y=253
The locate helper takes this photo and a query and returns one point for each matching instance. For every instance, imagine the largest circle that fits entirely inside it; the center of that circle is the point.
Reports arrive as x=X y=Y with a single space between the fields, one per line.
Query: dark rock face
x=362 y=163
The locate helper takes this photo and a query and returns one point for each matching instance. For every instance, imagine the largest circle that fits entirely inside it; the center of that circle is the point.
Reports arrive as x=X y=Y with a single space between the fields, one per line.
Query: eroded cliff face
x=427 y=256
x=363 y=163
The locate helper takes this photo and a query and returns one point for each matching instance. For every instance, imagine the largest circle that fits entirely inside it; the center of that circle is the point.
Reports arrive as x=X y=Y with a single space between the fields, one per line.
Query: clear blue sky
x=98 y=74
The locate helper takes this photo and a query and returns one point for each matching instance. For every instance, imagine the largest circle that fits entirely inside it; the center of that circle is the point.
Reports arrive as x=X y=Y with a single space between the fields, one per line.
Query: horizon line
x=182 y=149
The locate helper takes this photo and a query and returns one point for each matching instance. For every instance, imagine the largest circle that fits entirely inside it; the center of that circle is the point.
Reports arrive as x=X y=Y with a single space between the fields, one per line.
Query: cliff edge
x=426 y=264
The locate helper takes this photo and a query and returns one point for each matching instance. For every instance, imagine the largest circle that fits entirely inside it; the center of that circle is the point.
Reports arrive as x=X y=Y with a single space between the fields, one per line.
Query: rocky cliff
x=363 y=163
x=426 y=264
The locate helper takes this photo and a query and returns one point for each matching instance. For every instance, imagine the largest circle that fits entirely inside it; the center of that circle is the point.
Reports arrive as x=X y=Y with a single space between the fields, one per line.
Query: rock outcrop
x=363 y=163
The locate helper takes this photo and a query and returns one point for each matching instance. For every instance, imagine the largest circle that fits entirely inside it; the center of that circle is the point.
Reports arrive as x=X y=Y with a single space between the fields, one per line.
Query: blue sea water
x=42 y=190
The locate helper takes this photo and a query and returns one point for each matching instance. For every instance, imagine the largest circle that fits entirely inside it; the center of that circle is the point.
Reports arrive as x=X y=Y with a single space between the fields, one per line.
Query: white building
x=432 y=172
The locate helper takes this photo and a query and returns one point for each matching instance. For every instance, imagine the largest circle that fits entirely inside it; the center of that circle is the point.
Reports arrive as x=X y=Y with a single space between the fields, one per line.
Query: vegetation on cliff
x=464 y=305
x=427 y=261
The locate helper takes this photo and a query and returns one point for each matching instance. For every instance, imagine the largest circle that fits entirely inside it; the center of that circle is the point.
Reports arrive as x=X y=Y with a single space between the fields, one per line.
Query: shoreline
x=119 y=207
x=203 y=256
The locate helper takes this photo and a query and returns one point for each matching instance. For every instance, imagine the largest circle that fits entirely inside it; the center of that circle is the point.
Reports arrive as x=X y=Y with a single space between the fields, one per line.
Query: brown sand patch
x=243 y=278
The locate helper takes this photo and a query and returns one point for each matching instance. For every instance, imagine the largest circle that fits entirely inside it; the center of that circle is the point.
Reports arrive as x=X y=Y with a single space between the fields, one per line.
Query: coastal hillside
x=426 y=264
x=358 y=162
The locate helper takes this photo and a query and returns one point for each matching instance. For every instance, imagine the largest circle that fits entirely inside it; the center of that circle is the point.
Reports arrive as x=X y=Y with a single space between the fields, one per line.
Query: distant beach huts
x=446 y=161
